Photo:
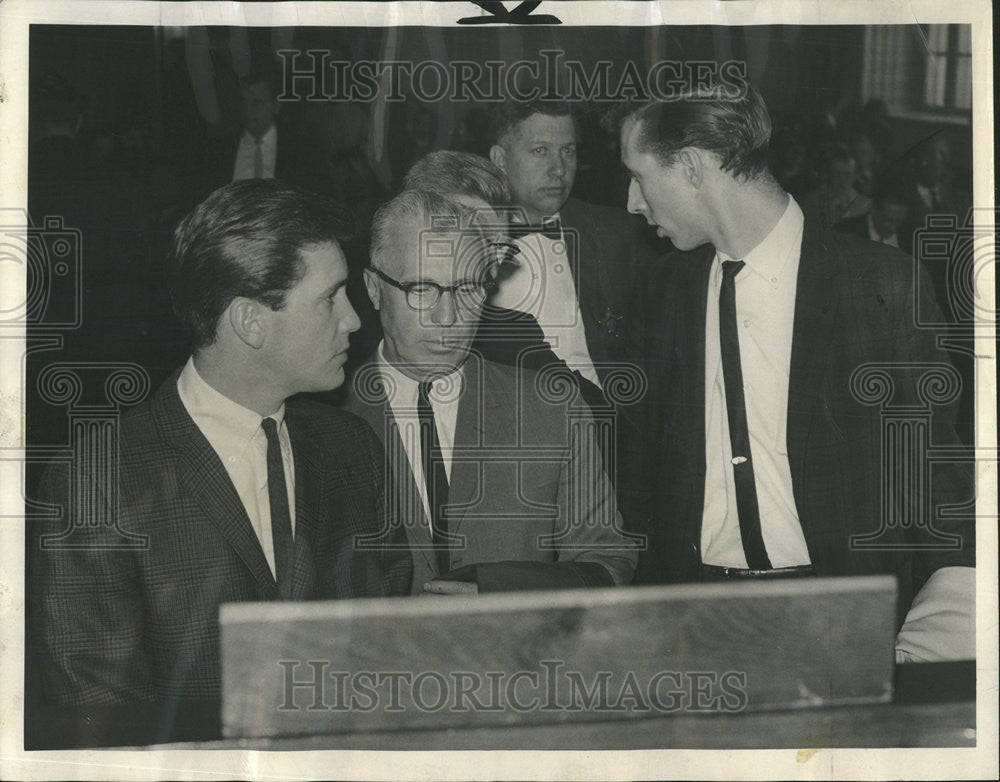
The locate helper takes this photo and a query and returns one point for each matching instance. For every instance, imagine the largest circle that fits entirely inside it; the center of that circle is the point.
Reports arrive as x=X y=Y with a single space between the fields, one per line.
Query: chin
x=332 y=380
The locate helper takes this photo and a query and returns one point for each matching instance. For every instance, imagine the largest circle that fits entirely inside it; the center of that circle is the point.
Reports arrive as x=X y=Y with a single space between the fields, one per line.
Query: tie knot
x=270 y=429
x=732 y=268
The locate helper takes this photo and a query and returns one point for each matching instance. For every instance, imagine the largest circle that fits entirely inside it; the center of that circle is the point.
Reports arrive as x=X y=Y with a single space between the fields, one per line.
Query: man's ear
x=692 y=165
x=246 y=318
x=374 y=287
x=498 y=156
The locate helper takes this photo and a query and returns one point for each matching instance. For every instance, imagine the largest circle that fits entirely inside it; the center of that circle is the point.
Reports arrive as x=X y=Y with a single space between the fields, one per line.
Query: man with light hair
x=498 y=486
x=759 y=454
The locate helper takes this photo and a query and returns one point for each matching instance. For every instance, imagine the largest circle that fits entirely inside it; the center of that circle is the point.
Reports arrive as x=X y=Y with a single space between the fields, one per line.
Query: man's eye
x=469 y=288
x=421 y=290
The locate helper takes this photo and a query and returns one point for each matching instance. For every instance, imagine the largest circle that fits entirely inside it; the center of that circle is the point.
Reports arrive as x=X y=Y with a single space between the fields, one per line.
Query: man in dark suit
x=576 y=260
x=759 y=448
x=225 y=491
x=267 y=148
x=496 y=476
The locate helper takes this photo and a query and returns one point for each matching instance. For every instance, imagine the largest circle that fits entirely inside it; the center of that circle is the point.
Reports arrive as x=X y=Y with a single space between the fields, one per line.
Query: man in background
x=576 y=262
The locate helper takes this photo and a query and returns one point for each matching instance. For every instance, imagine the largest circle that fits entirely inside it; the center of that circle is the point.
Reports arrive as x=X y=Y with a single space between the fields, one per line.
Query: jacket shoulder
x=324 y=419
x=585 y=214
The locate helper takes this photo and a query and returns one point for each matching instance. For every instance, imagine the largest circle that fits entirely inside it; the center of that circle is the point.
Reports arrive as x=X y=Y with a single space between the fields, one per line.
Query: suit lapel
x=202 y=474
x=816 y=301
x=688 y=357
x=473 y=407
x=375 y=409
x=308 y=503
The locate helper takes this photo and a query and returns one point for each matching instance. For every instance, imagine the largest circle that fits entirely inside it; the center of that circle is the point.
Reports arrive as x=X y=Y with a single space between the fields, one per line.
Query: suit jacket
x=604 y=245
x=525 y=485
x=854 y=305
x=858 y=226
x=295 y=162
x=128 y=611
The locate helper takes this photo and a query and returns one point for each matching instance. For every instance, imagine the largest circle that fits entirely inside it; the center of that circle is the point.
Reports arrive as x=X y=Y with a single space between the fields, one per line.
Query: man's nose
x=636 y=203
x=557 y=166
x=350 y=322
x=444 y=312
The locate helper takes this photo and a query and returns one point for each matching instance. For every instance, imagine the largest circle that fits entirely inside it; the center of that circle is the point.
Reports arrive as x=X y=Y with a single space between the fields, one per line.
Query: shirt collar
x=231 y=424
x=269 y=139
x=405 y=387
x=772 y=257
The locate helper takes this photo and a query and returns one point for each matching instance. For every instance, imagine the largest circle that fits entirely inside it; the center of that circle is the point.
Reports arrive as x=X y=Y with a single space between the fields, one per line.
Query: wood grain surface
x=555 y=657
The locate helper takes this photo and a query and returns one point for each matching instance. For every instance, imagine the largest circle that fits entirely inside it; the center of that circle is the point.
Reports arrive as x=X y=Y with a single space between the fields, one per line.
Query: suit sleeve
x=633 y=479
x=594 y=534
x=85 y=605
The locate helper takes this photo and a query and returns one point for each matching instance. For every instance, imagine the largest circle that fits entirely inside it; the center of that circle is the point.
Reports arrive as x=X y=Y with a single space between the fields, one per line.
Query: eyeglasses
x=426 y=295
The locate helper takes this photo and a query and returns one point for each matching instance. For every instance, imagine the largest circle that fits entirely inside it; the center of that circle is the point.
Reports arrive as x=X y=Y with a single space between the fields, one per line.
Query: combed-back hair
x=245 y=239
x=420 y=210
x=733 y=123
x=459 y=173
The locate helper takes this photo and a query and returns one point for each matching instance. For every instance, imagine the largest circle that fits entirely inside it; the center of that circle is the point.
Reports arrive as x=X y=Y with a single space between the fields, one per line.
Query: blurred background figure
x=884 y=223
x=836 y=198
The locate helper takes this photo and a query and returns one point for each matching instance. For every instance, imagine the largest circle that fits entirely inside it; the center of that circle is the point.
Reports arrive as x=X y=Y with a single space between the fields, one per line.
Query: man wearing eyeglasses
x=497 y=480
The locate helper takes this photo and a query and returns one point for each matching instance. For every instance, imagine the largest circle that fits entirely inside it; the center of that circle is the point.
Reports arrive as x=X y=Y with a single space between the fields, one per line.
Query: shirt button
x=746 y=323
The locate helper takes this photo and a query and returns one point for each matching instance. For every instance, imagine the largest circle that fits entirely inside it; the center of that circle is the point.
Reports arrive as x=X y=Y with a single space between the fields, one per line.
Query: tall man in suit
x=759 y=445
x=497 y=478
x=575 y=265
x=226 y=492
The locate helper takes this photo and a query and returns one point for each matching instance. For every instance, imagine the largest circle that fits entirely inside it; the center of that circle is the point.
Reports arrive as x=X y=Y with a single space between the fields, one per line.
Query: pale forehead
x=419 y=252
x=324 y=262
x=546 y=127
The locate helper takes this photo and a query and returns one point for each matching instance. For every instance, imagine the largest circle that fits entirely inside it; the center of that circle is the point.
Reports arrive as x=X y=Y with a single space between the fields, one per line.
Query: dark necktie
x=739 y=435
x=435 y=476
x=281 y=519
x=258 y=159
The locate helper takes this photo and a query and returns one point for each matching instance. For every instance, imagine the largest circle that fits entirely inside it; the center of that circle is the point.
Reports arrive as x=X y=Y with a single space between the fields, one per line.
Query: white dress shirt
x=243 y=169
x=237 y=437
x=542 y=285
x=403 y=392
x=765 y=308
x=892 y=241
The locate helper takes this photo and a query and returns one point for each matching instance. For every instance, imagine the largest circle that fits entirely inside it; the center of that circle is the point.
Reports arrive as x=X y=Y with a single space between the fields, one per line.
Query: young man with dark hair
x=234 y=493
x=757 y=454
